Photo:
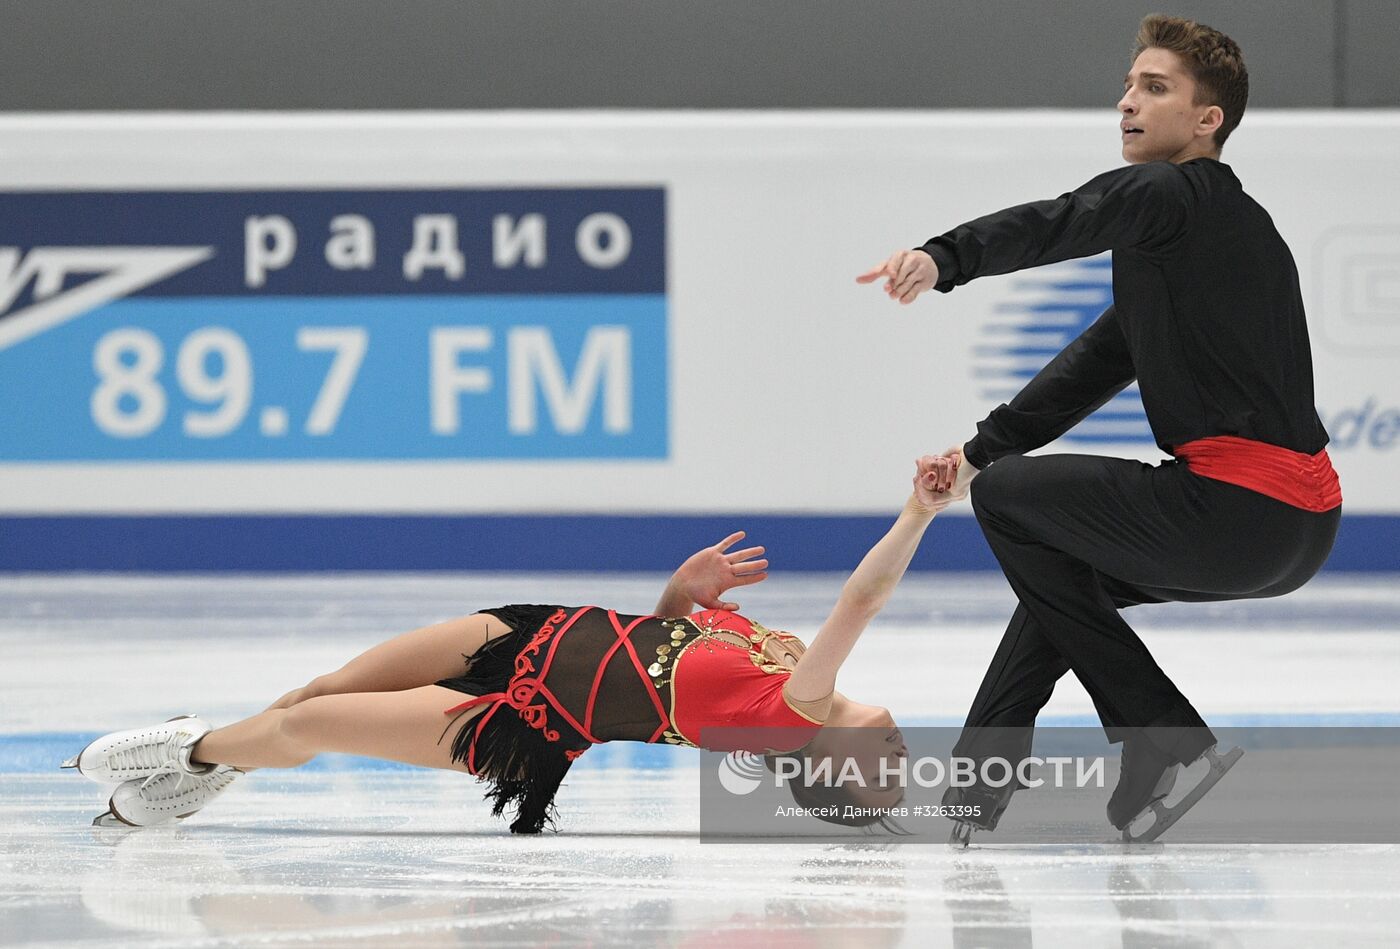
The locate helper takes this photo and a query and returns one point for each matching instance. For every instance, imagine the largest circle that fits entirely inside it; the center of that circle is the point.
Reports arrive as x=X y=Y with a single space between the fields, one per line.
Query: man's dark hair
x=1214 y=60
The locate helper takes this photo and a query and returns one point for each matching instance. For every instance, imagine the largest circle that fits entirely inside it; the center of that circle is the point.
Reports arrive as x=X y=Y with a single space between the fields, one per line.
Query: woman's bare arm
x=871 y=584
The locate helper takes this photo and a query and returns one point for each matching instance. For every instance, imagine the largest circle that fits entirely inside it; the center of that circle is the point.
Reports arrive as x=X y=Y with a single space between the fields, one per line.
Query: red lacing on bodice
x=623 y=641
x=527 y=684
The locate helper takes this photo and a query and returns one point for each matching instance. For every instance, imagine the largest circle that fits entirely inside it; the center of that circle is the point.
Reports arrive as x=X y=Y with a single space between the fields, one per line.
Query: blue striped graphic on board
x=1047 y=309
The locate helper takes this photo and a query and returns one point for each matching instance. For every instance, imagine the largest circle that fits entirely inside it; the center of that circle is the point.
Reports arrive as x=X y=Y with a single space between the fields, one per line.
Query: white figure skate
x=165 y=797
x=143 y=752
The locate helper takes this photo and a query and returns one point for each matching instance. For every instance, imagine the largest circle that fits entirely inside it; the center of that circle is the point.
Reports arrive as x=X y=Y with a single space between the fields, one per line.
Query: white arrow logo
x=121 y=271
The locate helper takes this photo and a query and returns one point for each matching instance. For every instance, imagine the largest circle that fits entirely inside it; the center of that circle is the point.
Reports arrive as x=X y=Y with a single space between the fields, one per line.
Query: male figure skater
x=1208 y=317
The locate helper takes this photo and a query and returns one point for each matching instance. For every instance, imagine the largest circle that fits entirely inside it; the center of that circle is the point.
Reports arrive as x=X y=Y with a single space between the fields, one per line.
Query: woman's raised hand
x=939 y=480
x=934 y=478
x=709 y=572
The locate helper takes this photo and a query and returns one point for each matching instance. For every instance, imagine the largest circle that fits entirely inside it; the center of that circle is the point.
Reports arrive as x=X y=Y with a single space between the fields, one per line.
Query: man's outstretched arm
x=1144 y=207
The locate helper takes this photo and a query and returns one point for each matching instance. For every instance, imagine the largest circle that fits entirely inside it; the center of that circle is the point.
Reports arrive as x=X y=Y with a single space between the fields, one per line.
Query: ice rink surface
x=346 y=852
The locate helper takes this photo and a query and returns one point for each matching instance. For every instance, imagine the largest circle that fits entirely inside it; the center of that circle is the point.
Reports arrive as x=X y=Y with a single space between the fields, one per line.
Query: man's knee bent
x=1001 y=486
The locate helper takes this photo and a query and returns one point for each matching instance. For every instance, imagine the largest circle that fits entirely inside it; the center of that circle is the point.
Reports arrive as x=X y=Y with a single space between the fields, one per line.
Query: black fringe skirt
x=522 y=766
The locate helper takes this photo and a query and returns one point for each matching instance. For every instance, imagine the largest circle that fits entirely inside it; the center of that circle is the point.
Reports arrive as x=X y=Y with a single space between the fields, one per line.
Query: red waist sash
x=1302 y=481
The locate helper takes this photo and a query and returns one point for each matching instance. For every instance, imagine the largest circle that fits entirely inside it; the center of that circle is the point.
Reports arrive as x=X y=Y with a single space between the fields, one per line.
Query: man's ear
x=1213 y=118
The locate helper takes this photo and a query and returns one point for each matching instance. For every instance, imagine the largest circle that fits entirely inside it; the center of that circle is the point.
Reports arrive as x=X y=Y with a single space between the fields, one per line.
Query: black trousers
x=1080 y=537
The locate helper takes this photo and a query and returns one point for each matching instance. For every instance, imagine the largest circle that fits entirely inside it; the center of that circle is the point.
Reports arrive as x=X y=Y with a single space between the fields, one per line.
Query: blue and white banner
x=252 y=325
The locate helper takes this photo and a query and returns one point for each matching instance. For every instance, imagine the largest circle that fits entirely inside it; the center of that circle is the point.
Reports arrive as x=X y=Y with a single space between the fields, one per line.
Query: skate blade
x=1166 y=816
x=961 y=836
x=108 y=819
x=73 y=761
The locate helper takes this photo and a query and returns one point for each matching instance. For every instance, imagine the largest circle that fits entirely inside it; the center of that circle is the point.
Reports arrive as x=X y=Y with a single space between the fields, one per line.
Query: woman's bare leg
x=407 y=725
x=421 y=657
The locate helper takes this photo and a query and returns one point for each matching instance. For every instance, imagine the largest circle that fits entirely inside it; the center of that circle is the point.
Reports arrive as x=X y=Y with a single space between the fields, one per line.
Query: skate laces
x=162 y=756
x=169 y=768
x=185 y=784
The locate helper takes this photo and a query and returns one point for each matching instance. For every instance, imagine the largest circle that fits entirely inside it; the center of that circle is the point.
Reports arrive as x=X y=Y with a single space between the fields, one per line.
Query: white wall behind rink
x=792 y=389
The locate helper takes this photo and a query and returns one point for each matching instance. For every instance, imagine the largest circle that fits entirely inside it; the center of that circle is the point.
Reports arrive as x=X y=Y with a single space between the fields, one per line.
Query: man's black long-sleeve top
x=1207 y=313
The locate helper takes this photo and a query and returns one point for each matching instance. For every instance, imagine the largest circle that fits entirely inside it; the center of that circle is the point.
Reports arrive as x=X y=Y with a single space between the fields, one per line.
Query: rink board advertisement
x=269 y=325
x=562 y=333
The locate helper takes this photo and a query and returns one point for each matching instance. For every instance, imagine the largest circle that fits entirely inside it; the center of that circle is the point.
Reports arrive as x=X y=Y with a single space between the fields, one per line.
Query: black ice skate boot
x=1146 y=774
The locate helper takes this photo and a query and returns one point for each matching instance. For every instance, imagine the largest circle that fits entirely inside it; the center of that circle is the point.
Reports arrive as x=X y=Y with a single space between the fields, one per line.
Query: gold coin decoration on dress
x=663 y=649
x=654 y=669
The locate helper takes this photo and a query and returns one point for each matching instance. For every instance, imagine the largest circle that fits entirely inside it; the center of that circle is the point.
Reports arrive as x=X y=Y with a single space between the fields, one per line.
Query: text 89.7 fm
x=214 y=371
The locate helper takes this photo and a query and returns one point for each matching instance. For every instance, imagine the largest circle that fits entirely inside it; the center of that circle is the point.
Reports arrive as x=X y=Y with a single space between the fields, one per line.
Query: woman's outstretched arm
x=871 y=584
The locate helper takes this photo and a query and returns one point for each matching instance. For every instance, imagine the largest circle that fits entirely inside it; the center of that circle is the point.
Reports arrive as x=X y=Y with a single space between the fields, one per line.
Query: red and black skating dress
x=567 y=678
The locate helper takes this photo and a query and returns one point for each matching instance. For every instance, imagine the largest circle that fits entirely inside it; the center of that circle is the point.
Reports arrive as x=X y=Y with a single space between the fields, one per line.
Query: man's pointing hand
x=907 y=274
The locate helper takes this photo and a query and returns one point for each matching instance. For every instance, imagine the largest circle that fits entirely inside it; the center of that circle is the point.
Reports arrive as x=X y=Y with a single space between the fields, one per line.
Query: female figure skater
x=543 y=683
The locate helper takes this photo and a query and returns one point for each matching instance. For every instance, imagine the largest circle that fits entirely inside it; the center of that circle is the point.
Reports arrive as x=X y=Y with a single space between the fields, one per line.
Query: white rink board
x=790 y=388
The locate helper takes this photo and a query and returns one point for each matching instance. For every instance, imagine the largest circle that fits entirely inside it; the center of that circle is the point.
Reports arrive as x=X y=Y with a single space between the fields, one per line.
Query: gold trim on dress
x=816 y=711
